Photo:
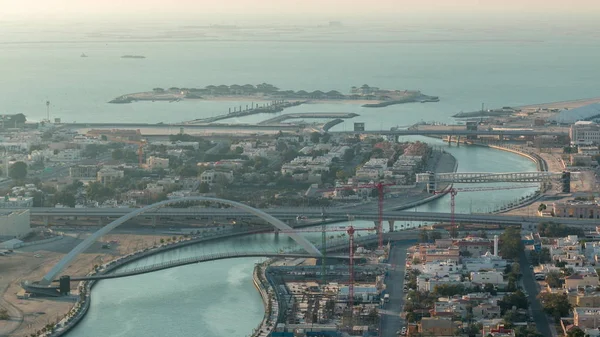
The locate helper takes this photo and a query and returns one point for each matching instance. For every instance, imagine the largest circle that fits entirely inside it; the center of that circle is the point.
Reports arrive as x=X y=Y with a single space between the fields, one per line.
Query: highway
x=457 y=130
x=290 y=213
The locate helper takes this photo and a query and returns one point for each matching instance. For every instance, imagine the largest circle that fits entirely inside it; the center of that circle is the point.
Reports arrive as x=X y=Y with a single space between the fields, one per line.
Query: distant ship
x=133 y=57
x=83 y=55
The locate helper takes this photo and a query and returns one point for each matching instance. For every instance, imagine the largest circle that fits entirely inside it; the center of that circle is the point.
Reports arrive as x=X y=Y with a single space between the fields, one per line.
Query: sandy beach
x=563 y=105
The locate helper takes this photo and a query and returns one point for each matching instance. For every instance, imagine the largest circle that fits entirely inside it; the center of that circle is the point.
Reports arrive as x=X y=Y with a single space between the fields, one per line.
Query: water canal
x=216 y=299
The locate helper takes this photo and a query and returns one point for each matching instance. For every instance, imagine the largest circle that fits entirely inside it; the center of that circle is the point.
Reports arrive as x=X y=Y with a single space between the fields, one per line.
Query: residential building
x=581 y=280
x=487 y=311
x=66 y=155
x=441 y=268
x=485 y=262
x=586 y=317
x=154 y=163
x=107 y=175
x=451 y=308
x=16 y=202
x=584 y=297
x=14 y=224
x=474 y=246
x=435 y=326
x=211 y=176
x=492 y=277
x=577 y=209
x=83 y=172
x=442 y=255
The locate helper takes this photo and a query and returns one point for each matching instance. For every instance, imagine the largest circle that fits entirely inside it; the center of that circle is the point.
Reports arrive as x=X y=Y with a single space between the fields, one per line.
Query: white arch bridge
x=85 y=244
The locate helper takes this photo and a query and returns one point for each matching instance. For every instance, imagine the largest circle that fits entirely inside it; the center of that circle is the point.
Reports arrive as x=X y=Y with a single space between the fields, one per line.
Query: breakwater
x=410 y=99
x=273 y=107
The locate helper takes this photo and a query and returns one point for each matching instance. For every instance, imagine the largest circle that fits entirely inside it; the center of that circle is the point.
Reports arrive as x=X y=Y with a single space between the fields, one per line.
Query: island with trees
x=368 y=96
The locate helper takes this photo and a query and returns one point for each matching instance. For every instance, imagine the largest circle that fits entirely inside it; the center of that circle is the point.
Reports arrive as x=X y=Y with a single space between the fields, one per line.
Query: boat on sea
x=83 y=55
x=133 y=57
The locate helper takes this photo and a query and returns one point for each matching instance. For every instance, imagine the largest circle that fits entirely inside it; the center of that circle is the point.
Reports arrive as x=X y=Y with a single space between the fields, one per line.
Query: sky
x=274 y=9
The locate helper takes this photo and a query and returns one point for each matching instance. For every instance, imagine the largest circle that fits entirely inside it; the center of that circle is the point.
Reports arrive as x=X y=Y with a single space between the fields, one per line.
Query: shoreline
x=559 y=105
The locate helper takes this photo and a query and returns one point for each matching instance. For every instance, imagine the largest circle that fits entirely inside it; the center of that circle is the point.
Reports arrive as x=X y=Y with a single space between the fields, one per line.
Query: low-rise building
x=586 y=317
x=436 y=326
x=107 y=175
x=14 y=224
x=442 y=255
x=154 y=163
x=211 y=176
x=487 y=311
x=474 y=246
x=492 y=277
x=584 y=133
x=16 y=202
x=83 y=172
x=584 y=297
x=577 y=209
x=581 y=280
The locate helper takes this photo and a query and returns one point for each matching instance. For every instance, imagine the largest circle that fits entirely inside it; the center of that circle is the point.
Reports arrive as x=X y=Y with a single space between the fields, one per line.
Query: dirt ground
x=564 y=104
x=31 y=263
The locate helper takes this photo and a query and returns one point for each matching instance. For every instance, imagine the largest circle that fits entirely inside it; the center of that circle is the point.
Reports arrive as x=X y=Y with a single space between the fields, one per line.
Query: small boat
x=83 y=55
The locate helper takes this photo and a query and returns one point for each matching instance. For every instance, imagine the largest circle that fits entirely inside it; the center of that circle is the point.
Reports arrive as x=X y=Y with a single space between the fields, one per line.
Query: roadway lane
x=390 y=319
x=539 y=317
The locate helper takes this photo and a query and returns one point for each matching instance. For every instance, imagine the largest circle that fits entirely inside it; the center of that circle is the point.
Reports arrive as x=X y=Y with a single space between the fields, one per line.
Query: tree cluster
x=510 y=243
x=554 y=230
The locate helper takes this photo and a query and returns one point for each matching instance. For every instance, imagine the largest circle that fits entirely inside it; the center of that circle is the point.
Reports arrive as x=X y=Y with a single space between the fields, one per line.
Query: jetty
x=272 y=107
x=308 y=115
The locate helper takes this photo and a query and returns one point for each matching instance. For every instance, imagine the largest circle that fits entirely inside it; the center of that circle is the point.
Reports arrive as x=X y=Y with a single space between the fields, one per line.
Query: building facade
x=577 y=209
x=16 y=202
x=14 y=224
x=584 y=133
x=107 y=175
x=157 y=163
x=83 y=172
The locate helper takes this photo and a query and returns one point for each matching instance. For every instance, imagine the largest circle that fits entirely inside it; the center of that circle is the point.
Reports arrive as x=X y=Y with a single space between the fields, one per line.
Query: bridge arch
x=85 y=244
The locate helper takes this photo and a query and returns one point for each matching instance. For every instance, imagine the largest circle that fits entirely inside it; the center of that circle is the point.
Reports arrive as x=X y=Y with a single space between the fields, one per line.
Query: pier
x=308 y=115
x=272 y=107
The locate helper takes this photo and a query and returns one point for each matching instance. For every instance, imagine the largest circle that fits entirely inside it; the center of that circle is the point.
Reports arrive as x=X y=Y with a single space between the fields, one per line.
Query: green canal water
x=217 y=299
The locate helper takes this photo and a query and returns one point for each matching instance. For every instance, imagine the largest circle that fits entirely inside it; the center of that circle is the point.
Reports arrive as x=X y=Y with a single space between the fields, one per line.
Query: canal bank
x=224 y=289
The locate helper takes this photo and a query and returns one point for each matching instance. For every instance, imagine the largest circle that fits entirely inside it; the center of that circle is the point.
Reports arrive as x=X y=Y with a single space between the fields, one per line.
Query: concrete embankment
x=541 y=164
x=534 y=157
x=270 y=303
x=81 y=307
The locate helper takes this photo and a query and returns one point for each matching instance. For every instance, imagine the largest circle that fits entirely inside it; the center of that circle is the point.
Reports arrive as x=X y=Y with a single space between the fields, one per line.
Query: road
x=390 y=319
x=539 y=317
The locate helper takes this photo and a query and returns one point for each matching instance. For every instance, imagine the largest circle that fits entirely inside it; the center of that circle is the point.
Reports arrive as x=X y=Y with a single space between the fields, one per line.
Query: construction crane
x=380 y=187
x=140 y=151
x=454 y=191
x=350 y=231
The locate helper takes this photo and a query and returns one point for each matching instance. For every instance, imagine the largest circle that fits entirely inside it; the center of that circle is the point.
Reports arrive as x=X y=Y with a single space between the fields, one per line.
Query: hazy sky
x=229 y=9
